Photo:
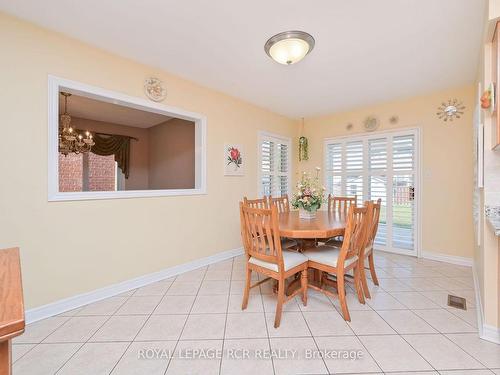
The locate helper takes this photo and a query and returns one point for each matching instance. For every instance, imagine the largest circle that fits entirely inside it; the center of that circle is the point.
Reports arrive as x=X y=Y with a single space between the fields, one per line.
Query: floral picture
x=233 y=160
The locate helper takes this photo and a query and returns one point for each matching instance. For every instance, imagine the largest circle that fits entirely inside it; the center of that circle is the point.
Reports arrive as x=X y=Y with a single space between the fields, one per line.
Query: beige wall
x=139 y=163
x=446 y=162
x=128 y=237
x=172 y=155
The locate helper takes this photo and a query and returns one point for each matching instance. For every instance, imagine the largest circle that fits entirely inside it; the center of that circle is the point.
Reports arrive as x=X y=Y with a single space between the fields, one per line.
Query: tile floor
x=406 y=328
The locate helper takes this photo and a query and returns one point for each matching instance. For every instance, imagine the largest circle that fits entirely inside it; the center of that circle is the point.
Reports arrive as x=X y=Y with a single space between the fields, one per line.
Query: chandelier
x=70 y=141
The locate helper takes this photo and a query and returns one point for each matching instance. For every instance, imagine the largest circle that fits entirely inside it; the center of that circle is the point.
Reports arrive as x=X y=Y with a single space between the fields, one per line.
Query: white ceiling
x=80 y=106
x=366 y=51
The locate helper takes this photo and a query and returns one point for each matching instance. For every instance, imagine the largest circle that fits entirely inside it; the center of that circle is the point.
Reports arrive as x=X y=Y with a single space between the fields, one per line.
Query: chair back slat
x=282 y=203
x=341 y=205
x=261 y=203
x=260 y=232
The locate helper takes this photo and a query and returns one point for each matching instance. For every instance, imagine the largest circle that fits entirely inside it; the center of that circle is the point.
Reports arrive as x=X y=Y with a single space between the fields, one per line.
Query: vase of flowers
x=309 y=196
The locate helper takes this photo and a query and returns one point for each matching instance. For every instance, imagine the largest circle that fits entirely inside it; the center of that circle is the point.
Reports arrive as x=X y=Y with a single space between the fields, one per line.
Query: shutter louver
x=274 y=167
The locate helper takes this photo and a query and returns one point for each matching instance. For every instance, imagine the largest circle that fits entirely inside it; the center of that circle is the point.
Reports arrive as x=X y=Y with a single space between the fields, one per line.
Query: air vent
x=457 y=302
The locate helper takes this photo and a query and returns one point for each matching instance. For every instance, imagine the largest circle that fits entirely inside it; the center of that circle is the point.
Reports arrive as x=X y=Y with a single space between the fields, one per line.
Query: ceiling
x=366 y=51
x=80 y=106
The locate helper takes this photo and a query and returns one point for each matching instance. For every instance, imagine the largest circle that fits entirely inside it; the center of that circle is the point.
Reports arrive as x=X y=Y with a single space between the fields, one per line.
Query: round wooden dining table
x=324 y=225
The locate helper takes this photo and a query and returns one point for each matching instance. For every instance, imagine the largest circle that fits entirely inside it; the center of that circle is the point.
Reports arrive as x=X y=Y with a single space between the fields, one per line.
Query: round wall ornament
x=371 y=123
x=154 y=89
x=448 y=111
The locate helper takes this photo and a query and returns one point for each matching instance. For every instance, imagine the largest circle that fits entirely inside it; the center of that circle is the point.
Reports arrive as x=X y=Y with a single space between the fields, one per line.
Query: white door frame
x=417 y=131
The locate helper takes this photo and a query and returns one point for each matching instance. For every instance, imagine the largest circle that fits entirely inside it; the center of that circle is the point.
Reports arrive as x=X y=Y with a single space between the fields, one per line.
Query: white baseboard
x=486 y=331
x=490 y=333
x=453 y=259
x=58 y=307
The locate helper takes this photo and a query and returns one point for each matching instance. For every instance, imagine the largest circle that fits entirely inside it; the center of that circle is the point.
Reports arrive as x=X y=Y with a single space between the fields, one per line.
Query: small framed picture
x=234 y=160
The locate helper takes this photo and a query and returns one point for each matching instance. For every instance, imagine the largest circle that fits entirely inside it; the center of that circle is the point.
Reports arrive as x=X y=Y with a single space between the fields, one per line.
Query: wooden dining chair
x=341 y=205
x=261 y=240
x=335 y=261
x=283 y=205
x=262 y=203
x=368 y=250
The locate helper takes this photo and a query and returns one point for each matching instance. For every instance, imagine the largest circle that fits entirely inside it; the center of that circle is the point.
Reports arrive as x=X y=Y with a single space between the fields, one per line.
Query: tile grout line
x=187 y=318
x=465 y=351
x=265 y=322
x=142 y=326
x=225 y=321
x=354 y=332
x=92 y=335
x=412 y=345
x=310 y=331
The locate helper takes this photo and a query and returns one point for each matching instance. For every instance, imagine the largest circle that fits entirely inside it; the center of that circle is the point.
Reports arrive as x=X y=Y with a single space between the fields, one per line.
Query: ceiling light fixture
x=70 y=140
x=289 y=47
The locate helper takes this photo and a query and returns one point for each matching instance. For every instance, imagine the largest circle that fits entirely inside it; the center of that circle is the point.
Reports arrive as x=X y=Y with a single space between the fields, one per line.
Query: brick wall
x=70 y=172
x=101 y=172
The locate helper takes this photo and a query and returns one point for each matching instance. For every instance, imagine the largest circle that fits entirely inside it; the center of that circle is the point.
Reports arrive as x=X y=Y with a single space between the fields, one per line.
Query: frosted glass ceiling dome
x=289 y=47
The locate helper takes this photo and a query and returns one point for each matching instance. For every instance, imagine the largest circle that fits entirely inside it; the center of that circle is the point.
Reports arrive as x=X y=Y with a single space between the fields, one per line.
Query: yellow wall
x=447 y=162
x=73 y=247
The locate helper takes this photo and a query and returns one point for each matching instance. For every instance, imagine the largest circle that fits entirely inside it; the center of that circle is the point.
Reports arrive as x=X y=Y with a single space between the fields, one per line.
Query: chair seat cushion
x=327 y=255
x=291 y=259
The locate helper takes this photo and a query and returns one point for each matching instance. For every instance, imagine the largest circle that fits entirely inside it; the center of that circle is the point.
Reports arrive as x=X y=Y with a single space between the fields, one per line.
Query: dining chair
x=368 y=250
x=339 y=205
x=337 y=261
x=264 y=254
x=262 y=203
x=283 y=205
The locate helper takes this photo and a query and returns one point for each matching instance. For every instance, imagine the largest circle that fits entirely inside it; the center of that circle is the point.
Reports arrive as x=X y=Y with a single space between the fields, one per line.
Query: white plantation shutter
x=274 y=165
x=344 y=168
x=379 y=166
x=334 y=168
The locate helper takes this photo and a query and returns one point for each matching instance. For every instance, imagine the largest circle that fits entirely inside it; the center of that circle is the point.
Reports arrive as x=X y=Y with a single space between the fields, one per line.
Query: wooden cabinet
x=11 y=305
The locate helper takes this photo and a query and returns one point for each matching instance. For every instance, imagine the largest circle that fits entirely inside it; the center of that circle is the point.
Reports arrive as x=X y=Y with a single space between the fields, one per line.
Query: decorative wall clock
x=154 y=89
x=448 y=111
x=371 y=123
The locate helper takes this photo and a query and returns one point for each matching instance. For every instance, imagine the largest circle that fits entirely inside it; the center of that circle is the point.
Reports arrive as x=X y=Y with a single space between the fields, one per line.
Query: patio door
x=385 y=166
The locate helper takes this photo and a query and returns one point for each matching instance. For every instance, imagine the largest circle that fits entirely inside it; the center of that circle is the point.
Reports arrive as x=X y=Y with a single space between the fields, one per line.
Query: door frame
x=417 y=131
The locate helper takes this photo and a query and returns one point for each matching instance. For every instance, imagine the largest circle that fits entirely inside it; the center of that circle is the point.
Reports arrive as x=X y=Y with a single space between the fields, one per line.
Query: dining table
x=326 y=224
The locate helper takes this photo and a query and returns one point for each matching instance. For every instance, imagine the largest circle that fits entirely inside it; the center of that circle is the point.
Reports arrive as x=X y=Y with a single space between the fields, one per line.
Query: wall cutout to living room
x=140 y=148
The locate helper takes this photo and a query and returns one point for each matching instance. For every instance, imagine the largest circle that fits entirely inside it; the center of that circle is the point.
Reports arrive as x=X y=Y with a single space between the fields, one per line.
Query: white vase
x=304 y=214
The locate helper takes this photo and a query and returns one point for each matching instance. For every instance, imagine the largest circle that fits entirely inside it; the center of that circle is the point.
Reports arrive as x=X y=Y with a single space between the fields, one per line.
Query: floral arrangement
x=234 y=157
x=310 y=193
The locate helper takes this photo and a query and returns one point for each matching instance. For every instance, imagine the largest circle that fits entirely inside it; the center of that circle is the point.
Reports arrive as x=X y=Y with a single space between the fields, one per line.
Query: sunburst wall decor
x=448 y=111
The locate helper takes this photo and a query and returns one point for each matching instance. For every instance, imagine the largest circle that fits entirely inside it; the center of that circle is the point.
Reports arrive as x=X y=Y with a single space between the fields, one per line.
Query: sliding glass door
x=380 y=166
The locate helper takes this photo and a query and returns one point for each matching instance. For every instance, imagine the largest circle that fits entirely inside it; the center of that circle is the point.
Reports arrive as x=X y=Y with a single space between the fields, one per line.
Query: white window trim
x=262 y=135
x=56 y=84
x=418 y=132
